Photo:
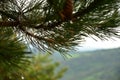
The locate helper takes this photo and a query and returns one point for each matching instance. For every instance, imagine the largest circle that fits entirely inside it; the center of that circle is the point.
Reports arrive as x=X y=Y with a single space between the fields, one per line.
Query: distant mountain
x=94 y=65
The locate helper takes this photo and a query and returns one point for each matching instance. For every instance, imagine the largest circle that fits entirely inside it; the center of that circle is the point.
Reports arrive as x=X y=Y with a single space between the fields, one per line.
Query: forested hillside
x=95 y=65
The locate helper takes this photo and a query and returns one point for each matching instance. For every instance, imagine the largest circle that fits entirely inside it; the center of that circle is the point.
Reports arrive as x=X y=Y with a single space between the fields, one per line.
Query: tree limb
x=51 y=25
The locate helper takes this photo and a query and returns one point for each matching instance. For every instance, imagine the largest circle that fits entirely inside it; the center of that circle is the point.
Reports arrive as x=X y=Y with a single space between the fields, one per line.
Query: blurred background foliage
x=43 y=68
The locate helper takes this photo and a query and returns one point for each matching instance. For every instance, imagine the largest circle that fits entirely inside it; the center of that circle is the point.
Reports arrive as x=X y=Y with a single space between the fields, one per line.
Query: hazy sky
x=91 y=44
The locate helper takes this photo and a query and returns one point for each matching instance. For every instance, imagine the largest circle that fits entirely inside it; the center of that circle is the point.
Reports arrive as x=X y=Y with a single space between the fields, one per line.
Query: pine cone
x=66 y=13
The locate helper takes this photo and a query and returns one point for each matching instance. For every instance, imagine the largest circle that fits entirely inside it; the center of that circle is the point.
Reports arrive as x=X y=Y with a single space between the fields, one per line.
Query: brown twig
x=35 y=36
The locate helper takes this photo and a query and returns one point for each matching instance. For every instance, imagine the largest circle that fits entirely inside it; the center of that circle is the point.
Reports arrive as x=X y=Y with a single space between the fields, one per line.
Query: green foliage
x=39 y=21
x=13 y=55
x=42 y=68
x=15 y=61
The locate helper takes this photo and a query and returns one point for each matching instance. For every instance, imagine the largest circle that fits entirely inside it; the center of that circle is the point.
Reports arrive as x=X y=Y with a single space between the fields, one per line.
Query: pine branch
x=35 y=36
x=51 y=25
